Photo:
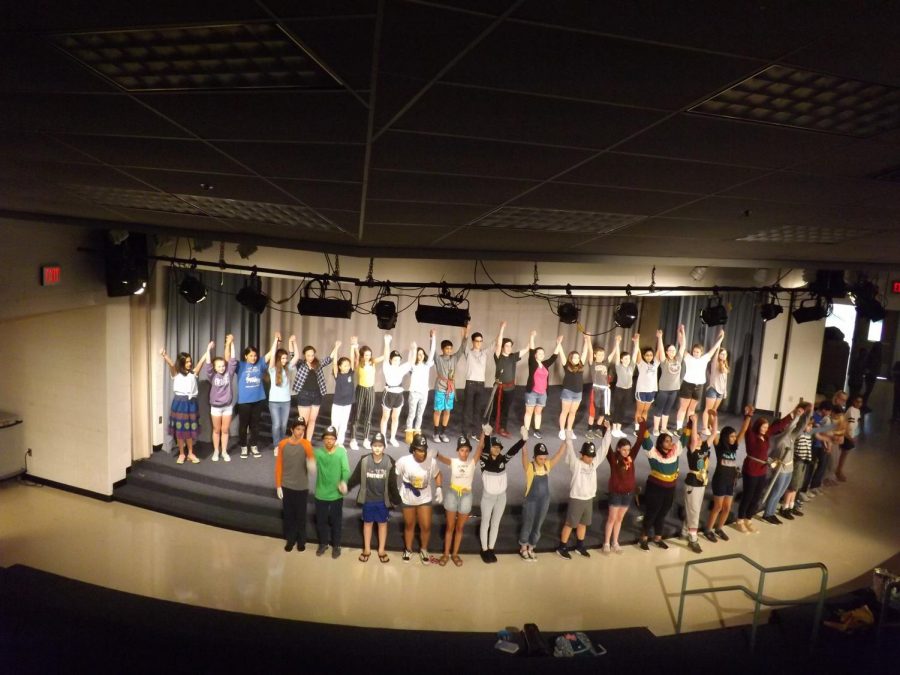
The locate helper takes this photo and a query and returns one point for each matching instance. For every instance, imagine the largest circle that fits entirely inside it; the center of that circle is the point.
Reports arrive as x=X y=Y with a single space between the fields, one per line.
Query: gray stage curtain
x=743 y=338
x=189 y=328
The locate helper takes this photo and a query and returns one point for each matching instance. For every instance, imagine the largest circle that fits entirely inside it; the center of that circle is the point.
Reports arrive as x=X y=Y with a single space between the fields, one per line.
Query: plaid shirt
x=303 y=371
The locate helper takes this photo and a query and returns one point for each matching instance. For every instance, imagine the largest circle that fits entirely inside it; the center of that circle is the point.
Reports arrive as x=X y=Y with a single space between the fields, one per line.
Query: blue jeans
x=279 y=412
x=781 y=483
x=534 y=510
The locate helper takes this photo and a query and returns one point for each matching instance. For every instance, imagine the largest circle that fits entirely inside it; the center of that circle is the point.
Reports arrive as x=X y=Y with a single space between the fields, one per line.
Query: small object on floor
x=194 y=459
x=384 y=558
x=786 y=514
x=226 y=456
x=694 y=545
x=575 y=644
x=364 y=557
x=710 y=535
x=289 y=546
x=645 y=546
x=255 y=452
x=354 y=445
x=320 y=551
x=180 y=459
x=720 y=533
x=215 y=456
x=456 y=560
x=773 y=520
x=796 y=511
x=582 y=551
x=563 y=552
x=335 y=552
x=661 y=544
x=407 y=556
x=537 y=434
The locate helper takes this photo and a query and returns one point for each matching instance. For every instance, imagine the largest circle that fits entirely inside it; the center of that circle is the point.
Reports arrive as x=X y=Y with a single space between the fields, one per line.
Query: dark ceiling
x=532 y=129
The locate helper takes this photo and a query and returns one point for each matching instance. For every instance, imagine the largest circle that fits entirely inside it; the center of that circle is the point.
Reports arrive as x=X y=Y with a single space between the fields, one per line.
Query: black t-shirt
x=506 y=368
x=698 y=460
x=573 y=381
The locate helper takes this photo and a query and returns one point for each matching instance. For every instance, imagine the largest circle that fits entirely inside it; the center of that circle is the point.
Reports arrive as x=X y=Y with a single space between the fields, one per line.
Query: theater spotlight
x=246 y=250
x=386 y=314
x=567 y=312
x=771 y=309
x=626 y=314
x=812 y=309
x=126 y=263
x=715 y=313
x=867 y=305
x=192 y=289
x=443 y=316
x=251 y=295
x=333 y=308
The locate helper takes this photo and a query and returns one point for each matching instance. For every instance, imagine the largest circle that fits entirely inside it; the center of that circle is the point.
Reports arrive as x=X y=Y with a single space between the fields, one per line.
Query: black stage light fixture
x=771 y=309
x=246 y=250
x=443 y=316
x=568 y=312
x=332 y=308
x=865 y=296
x=829 y=283
x=192 y=289
x=812 y=309
x=386 y=314
x=625 y=314
x=715 y=313
x=251 y=295
x=126 y=264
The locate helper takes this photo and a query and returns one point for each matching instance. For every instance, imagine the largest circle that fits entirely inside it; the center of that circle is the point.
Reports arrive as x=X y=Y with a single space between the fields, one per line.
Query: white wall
x=770 y=361
x=802 y=371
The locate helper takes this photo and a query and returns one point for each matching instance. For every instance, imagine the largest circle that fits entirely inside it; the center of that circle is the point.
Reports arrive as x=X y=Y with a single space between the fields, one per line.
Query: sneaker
x=645 y=546
x=817 y=491
x=436 y=438
x=661 y=544
x=445 y=438
x=710 y=535
x=320 y=551
x=562 y=434
x=532 y=556
x=225 y=456
x=616 y=548
x=255 y=452
x=571 y=435
x=424 y=557
x=492 y=557
x=617 y=433
x=694 y=545
x=786 y=514
x=215 y=456
x=589 y=435
x=751 y=528
x=406 y=557
x=582 y=551
x=394 y=443
x=606 y=549
x=485 y=558
x=537 y=434
x=741 y=526
x=720 y=533
x=367 y=444
x=354 y=445
x=336 y=553
x=243 y=452
x=796 y=511
x=523 y=554
x=474 y=437
x=773 y=519
x=563 y=552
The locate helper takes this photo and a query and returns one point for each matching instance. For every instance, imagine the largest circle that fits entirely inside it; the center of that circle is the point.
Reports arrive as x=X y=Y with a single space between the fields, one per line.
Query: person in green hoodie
x=332 y=473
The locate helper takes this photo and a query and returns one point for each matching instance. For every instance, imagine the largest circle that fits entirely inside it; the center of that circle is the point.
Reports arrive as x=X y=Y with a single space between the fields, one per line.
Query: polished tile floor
x=851 y=528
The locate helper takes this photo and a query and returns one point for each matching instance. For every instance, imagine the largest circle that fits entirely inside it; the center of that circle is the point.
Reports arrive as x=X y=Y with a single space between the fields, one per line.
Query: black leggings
x=658 y=501
x=620 y=400
x=754 y=486
x=294 y=505
x=249 y=415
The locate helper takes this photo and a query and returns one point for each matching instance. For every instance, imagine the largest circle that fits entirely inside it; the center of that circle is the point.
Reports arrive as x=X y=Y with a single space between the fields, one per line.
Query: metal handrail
x=758 y=595
x=885 y=608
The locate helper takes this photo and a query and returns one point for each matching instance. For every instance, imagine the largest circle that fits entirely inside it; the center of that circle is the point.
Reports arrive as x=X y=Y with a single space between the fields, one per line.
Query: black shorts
x=692 y=391
x=305 y=399
x=723 y=482
x=848 y=444
x=392 y=399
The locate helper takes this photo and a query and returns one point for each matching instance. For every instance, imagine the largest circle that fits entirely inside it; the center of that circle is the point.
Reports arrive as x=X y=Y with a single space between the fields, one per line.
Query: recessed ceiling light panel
x=557 y=220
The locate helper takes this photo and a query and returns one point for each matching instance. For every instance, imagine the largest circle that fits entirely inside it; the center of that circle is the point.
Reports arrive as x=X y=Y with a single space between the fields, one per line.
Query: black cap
x=463 y=442
x=393 y=354
x=378 y=438
x=300 y=420
x=329 y=431
x=587 y=448
x=540 y=449
x=494 y=441
x=419 y=443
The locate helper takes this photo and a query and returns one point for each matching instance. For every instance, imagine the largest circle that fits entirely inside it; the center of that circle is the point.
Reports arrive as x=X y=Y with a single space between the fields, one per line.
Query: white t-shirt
x=462 y=473
x=695 y=368
x=413 y=475
x=583 y=484
x=393 y=376
x=647 y=376
x=185 y=385
x=853 y=416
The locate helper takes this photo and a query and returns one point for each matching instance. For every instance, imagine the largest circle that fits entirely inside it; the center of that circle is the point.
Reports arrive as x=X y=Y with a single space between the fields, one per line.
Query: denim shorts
x=532 y=399
x=566 y=395
x=646 y=396
x=455 y=502
x=221 y=410
x=305 y=399
x=712 y=393
x=620 y=498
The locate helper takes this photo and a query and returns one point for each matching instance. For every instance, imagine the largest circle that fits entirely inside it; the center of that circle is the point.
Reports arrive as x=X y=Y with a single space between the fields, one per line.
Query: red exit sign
x=895 y=286
x=50 y=275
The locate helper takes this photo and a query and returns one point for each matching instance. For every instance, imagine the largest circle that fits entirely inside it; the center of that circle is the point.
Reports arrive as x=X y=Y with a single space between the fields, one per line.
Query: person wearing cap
x=377 y=481
x=458 y=503
x=696 y=479
x=659 y=492
x=582 y=490
x=537 y=495
x=415 y=475
x=392 y=397
x=294 y=461
x=332 y=472
x=493 y=462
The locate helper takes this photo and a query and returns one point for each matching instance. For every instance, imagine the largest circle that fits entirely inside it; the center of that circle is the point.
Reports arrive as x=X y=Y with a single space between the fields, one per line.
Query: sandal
x=180 y=459
x=364 y=557
x=383 y=557
x=443 y=560
x=194 y=459
x=456 y=560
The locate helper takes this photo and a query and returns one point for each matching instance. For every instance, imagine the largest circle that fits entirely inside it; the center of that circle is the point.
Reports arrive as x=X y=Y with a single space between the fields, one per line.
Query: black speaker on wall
x=126 y=265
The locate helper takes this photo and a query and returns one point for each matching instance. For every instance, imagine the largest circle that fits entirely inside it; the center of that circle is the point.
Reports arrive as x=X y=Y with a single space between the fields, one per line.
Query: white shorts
x=221 y=411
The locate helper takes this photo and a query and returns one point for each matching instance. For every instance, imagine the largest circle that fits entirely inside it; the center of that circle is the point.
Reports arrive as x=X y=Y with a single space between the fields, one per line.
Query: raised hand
x=413 y=346
x=278 y=335
x=559 y=339
x=354 y=340
x=337 y=344
x=388 y=337
x=229 y=339
x=618 y=339
x=293 y=339
x=748 y=410
x=163 y=353
x=659 y=332
x=210 y=346
x=532 y=333
x=502 y=325
x=636 y=338
x=432 y=333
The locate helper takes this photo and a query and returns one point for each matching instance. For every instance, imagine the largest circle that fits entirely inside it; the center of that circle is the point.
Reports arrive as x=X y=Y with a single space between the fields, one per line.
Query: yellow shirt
x=365 y=375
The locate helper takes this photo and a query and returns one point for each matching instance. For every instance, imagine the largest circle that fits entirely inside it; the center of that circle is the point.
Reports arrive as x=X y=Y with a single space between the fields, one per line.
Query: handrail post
x=756 y=606
x=684 y=579
x=820 y=607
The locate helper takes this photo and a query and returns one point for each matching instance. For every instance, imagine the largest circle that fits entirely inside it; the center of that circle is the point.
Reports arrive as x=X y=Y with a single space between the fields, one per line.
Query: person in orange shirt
x=294 y=461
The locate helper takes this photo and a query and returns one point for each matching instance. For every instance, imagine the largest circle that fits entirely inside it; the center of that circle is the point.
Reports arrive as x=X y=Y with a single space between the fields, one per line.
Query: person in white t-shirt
x=691 y=389
x=458 y=503
x=392 y=397
x=416 y=474
x=582 y=491
x=647 y=378
x=184 y=423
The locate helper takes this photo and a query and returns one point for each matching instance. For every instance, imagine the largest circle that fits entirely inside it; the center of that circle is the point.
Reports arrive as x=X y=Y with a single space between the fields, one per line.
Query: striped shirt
x=803 y=447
